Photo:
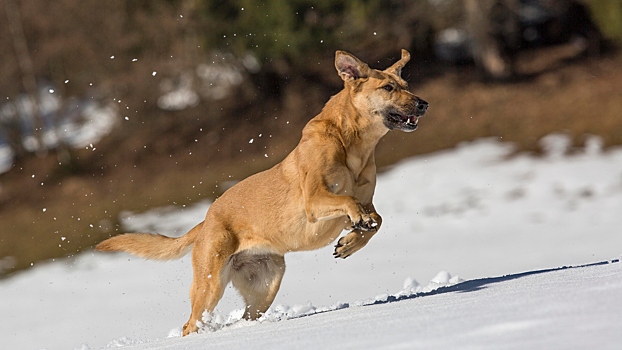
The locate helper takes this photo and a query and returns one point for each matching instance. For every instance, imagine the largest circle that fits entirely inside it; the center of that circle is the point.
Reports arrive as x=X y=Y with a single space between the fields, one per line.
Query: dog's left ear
x=349 y=67
x=396 y=68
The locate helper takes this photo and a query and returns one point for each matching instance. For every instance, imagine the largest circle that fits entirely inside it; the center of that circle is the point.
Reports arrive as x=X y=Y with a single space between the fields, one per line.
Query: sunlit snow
x=471 y=213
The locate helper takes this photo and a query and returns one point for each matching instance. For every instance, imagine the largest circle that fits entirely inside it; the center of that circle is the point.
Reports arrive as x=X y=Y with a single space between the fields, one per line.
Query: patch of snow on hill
x=478 y=210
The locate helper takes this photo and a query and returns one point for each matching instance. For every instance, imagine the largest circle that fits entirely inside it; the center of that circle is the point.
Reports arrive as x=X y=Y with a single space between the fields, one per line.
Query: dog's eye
x=389 y=88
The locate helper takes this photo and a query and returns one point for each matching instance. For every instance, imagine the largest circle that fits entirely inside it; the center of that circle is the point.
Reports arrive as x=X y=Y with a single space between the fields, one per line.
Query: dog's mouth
x=408 y=121
x=402 y=122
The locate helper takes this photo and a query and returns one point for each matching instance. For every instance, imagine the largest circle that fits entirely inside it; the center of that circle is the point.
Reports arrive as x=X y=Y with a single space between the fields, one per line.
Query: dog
x=325 y=185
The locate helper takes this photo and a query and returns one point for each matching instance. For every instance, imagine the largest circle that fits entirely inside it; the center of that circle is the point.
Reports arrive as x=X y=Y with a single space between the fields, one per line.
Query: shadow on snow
x=463 y=287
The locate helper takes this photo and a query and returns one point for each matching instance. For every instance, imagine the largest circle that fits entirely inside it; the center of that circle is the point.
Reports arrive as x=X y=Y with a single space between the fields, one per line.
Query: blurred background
x=115 y=105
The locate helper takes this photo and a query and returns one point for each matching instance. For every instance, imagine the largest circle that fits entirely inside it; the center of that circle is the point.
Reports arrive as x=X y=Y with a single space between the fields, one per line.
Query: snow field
x=478 y=210
x=568 y=308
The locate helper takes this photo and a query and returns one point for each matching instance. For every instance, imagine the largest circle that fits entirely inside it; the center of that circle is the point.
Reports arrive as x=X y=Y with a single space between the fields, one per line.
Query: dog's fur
x=325 y=185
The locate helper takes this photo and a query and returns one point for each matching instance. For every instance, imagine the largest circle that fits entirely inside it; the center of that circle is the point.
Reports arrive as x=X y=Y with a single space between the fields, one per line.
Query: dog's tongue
x=412 y=119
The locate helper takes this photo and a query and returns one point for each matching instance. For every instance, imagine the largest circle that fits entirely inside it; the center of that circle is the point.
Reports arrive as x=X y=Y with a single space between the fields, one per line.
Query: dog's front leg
x=321 y=204
x=357 y=239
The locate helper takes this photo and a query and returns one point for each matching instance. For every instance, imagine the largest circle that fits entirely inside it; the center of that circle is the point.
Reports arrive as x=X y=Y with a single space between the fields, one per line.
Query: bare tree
x=28 y=79
x=494 y=26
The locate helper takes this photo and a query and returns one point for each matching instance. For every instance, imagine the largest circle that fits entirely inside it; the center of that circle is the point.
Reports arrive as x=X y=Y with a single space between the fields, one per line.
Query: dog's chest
x=355 y=164
x=353 y=180
x=359 y=167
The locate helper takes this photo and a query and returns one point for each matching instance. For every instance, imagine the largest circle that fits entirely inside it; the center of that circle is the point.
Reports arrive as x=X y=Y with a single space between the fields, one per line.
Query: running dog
x=325 y=185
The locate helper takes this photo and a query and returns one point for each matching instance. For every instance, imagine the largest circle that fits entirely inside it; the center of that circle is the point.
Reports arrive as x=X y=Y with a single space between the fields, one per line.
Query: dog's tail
x=151 y=246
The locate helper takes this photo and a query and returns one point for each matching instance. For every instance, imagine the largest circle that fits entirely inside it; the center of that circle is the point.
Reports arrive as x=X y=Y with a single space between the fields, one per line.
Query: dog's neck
x=357 y=129
x=359 y=133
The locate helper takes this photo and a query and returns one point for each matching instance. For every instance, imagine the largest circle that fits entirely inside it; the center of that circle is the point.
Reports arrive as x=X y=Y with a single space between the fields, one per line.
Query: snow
x=6 y=158
x=214 y=81
x=80 y=124
x=475 y=211
x=575 y=308
x=96 y=122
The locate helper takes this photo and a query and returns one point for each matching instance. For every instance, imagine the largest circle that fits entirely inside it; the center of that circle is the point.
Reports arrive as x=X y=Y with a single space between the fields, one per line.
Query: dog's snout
x=421 y=106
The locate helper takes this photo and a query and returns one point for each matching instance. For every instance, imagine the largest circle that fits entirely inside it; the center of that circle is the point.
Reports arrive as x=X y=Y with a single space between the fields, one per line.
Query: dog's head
x=382 y=95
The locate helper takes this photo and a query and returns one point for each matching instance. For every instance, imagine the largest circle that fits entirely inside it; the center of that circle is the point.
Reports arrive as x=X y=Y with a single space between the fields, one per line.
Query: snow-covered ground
x=575 y=308
x=476 y=211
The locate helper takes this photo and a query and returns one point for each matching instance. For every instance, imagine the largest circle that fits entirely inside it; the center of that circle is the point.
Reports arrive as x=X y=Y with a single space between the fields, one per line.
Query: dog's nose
x=421 y=106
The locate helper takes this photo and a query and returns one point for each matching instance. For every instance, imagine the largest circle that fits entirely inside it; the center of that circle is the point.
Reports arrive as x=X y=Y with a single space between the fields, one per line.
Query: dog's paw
x=349 y=244
x=189 y=327
x=366 y=223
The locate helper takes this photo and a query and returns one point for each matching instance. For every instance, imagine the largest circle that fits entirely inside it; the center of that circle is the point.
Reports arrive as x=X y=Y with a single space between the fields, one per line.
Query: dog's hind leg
x=209 y=258
x=257 y=276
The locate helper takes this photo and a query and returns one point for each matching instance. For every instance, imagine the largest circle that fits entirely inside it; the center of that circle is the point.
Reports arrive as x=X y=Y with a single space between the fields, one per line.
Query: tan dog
x=325 y=185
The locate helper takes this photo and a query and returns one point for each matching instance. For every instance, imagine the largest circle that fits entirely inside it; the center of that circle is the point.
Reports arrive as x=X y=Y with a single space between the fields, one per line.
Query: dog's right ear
x=349 y=67
x=396 y=68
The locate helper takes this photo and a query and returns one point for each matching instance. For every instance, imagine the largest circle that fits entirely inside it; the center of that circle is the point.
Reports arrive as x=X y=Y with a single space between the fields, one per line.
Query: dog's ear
x=349 y=67
x=396 y=68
